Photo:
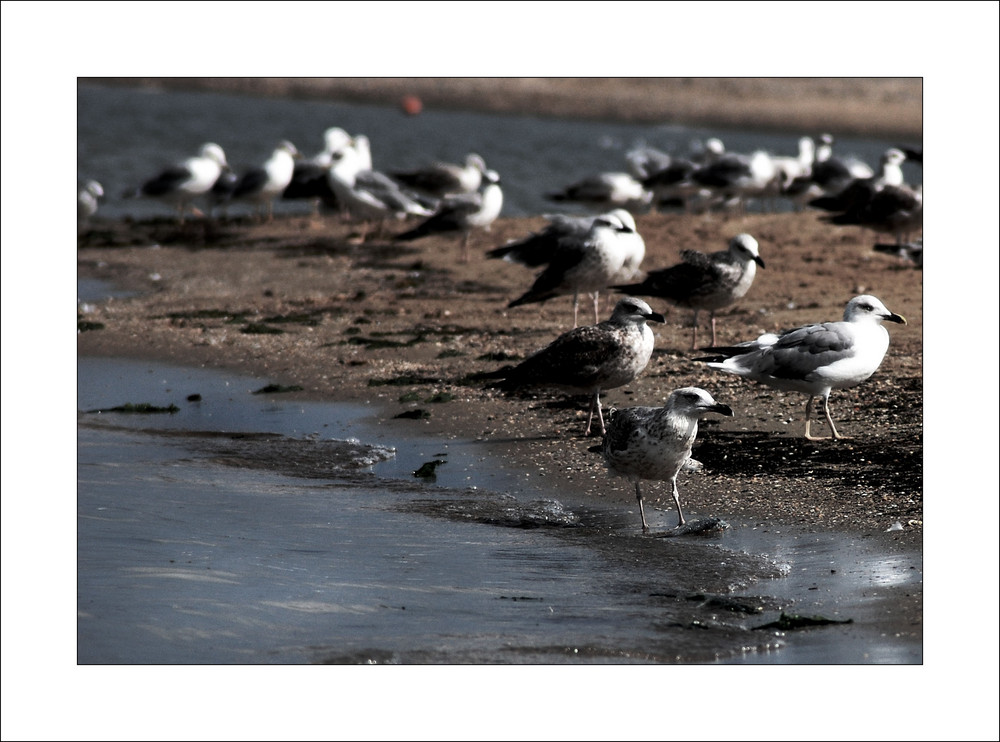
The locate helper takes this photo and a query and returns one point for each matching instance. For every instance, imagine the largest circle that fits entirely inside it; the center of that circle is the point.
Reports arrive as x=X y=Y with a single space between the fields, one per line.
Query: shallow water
x=240 y=530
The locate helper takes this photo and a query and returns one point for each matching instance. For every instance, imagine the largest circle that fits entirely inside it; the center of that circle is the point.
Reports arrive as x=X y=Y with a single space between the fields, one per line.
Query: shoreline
x=873 y=107
x=414 y=322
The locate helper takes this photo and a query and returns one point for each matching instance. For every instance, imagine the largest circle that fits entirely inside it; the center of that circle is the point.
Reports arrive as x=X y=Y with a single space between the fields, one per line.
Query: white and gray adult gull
x=440 y=179
x=655 y=442
x=309 y=178
x=815 y=359
x=704 y=282
x=591 y=359
x=368 y=195
x=538 y=248
x=463 y=213
x=259 y=186
x=607 y=190
x=186 y=181
x=587 y=263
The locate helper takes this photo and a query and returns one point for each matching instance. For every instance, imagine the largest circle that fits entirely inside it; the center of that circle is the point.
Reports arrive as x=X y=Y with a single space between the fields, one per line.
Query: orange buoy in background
x=411 y=105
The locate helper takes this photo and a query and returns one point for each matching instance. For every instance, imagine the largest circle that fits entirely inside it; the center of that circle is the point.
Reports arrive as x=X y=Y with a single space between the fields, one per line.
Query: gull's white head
x=214 y=152
x=692 y=401
x=745 y=247
x=868 y=308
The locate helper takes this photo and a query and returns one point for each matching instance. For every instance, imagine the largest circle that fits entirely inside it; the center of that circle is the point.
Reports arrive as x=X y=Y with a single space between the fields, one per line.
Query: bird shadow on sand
x=862 y=460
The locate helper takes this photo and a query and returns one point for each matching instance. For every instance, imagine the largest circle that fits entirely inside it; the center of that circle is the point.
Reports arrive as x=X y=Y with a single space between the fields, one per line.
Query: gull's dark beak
x=722 y=409
x=759 y=261
x=893 y=317
x=655 y=317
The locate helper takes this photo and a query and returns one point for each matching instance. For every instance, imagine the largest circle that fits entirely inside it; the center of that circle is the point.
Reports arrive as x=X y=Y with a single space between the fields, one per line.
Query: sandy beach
x=297 y=301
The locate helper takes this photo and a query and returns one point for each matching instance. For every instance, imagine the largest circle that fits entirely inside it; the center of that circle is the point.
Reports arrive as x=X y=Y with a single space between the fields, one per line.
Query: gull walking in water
x=591 y=359
x=587 y=263
x=710 y=282
x=463 y=213
x=183 y=183
x=655 y=442
x=815 y=359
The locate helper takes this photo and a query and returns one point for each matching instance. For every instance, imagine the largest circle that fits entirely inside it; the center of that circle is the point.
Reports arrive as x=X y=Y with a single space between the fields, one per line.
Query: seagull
x=261 y=185
x=463 y=213
x=441 y=179
x=644 y=161
x=815 y=359
x=309 y=178
x=860 y=190
x=655 y=442
x=588 y=360
x=185 y=181
x=538 y=248
x=588 y=263
x=828 y=176
x=612 y=189
x=701 y=281
x=791 y=168
x=368 y=195
x=88 y=199
x=896 y=210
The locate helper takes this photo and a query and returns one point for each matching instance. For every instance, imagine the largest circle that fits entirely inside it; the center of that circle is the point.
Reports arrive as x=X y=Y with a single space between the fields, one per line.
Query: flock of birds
x=604 y=252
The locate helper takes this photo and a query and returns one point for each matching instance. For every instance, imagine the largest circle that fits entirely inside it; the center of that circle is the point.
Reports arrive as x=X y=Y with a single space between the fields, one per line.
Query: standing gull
x=88 y=199
x=184 y=182
x=261 y=185
x=309 y=178
x=369 y=195
x=539 y=248
x=588 y=360
x=584 y=263
x=703 y=281
x=463 y=213
x=815 y=359
x=441 y=179
x=655 y=442
x=612 y=189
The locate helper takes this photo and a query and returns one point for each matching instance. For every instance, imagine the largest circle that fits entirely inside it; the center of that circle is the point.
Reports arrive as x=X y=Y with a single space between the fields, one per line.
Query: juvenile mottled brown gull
x=703 y=281
x=590 y=359
x=815 y=359
x=655 y=442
